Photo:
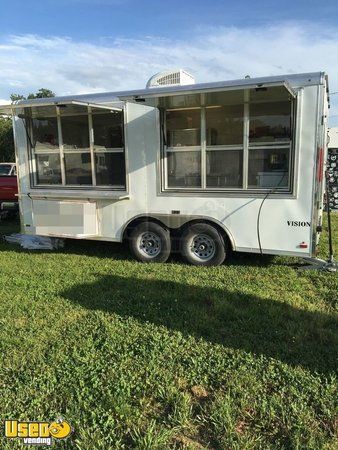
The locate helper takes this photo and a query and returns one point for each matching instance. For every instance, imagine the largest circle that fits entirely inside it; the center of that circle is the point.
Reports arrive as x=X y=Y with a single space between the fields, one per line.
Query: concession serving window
x=231 y=139
x=76 y=145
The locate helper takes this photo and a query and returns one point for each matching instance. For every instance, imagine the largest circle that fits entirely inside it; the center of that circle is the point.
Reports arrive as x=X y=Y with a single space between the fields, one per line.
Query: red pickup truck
x=8 y=184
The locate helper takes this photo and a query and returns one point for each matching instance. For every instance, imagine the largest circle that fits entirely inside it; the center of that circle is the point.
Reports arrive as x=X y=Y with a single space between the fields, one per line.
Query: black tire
x=150 y=243
x=203 y=245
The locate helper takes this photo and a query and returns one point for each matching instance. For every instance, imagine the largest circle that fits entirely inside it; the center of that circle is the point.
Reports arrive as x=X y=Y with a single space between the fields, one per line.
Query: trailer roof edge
x=291 y=80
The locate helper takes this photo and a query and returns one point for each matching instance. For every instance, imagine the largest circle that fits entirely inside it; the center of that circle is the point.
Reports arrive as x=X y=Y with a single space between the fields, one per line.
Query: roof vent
x=177 y=77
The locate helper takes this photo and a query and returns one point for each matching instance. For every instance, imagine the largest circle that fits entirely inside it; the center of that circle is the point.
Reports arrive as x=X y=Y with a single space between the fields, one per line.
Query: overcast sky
x=80 y=46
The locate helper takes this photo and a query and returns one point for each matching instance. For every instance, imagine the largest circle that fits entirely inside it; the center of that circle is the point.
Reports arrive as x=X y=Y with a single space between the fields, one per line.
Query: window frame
x=62 y=152
x=188 y=148
x=245 y=147
x=107 y=151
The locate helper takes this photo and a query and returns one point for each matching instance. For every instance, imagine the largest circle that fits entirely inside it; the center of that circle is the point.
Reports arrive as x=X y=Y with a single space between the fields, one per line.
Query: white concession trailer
x=200 y=168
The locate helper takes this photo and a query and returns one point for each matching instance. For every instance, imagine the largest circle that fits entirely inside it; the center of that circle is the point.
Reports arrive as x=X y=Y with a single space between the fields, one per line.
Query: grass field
x=168 y=356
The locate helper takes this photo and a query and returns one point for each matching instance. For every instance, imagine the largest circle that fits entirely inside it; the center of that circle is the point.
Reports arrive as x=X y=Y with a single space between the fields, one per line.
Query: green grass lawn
x=168 y=356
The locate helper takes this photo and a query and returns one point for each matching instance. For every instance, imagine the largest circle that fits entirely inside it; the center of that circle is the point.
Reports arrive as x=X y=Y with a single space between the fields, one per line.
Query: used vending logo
x=37 y=433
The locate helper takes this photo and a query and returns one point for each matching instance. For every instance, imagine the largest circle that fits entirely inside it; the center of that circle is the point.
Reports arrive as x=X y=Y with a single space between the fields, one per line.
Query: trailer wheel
x=150 y=242
x=202 y=245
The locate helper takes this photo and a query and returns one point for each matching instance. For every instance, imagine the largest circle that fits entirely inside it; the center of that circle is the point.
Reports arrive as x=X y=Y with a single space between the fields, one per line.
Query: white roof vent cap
x=178 y=77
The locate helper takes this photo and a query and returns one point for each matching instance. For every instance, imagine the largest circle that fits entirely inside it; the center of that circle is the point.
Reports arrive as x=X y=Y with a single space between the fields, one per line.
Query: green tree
x=42 y=93
x=15 y=98
x=7 y=153
x=6 y=140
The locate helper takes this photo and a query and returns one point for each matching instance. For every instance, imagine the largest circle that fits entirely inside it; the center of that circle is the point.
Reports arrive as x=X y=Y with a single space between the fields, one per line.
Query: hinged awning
x=10 y=109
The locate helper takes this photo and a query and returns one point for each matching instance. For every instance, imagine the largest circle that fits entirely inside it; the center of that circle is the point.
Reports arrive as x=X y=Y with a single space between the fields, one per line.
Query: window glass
x=184 y=128
x=268 y=168
x=270 y=122
x=108 y=130
x=269 y=94
x=224 y=125
x=224 y=98
x=73 y=110
x=45 y=134
x=110 y=169
x=40 y=111
x=184 y=169
x=224 y=168
x=48 y=168
x=5 y=169
x=77 y=162
x=78 y=168
x=180 y=101
x=75 y=132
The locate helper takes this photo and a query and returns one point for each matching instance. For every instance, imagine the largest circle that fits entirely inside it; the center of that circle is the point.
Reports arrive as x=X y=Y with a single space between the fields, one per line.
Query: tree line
x=7 y=153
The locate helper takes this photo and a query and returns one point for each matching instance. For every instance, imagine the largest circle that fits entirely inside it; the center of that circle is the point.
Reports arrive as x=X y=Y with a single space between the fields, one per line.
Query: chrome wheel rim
x=150 y=244
x=203 y=247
